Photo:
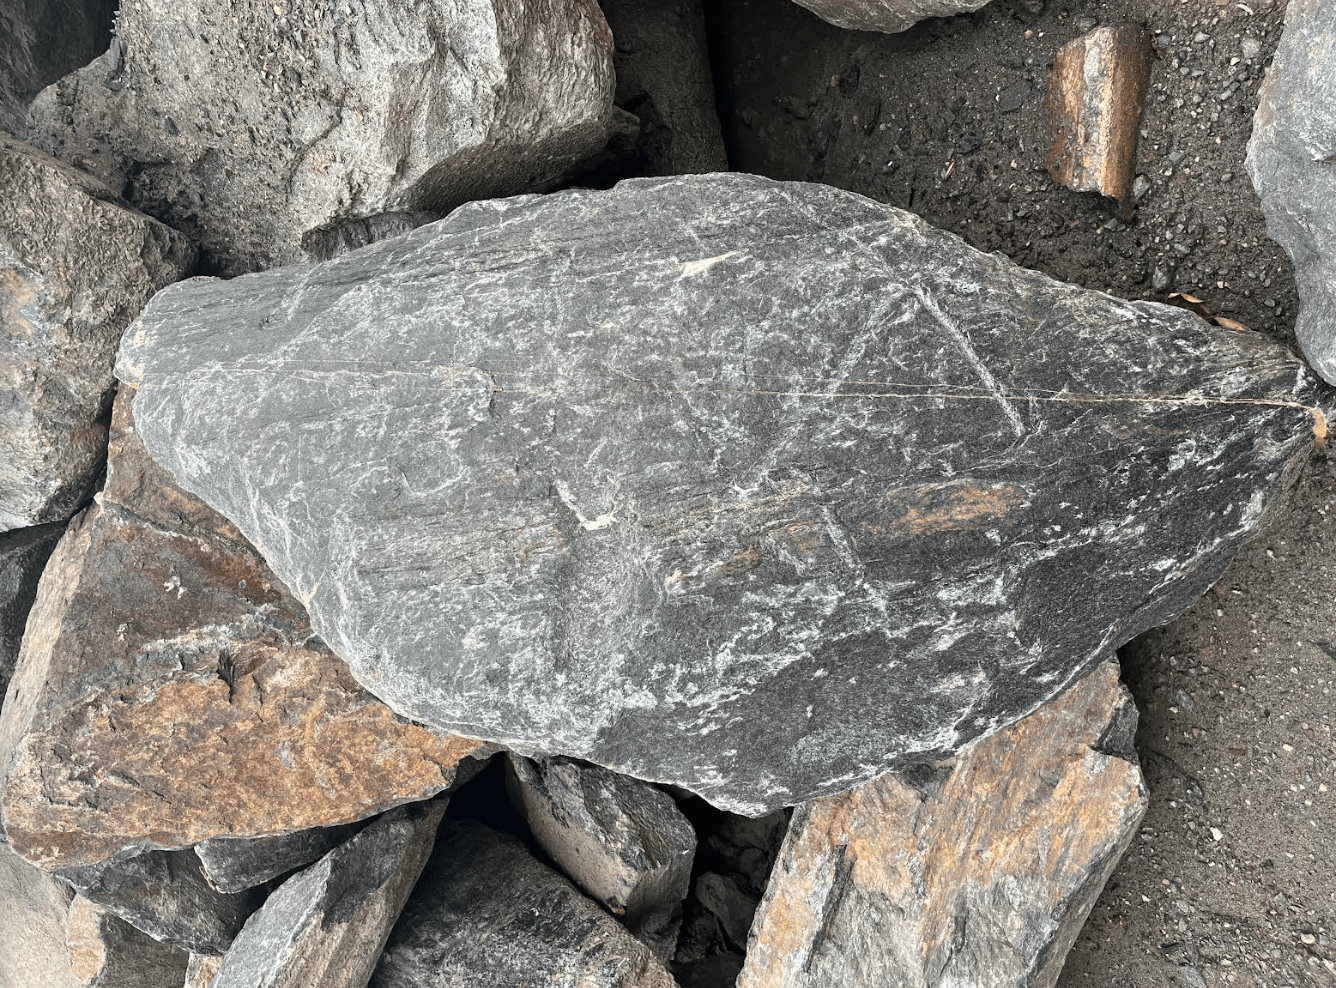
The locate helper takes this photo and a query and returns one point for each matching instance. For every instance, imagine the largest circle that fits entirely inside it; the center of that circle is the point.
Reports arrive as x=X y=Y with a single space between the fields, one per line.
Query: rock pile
x=701 y=581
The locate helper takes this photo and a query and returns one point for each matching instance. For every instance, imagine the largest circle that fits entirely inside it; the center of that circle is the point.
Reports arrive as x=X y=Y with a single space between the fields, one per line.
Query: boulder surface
x=756 y=488
x=887 y=16
x=44 y=39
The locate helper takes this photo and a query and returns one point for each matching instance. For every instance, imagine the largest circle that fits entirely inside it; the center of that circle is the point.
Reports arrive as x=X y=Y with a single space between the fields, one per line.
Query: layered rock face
x=259 y=128
x=1290 y=157
x=761 y=489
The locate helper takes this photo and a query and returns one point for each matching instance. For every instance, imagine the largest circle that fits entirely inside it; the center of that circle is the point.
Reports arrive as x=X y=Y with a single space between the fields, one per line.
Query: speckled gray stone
x=1292 y=161
x=760 y=489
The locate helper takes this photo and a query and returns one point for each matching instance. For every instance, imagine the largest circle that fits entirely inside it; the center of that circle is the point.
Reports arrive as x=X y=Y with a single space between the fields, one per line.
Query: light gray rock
x=23 y=553
x=485 y=914
x=107 y=952
x=625 y=843
x=43 y=40
x=232 y=864
x=75 y=267
x=257 y=127
x=325 y=927
x=756 y=488
x=1292 y=161
x=33 y=906
x=888 y=16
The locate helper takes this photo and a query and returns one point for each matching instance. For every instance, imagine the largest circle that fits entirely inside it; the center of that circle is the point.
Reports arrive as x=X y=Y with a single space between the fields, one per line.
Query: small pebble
x=1140 y=186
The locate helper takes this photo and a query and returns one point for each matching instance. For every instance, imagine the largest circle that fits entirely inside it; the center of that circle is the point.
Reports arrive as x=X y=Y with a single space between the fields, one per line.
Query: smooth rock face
x=1290 y=156
x=625 y=843
x=172 y=692
x=33 y=907
x=759 y=489
x=75 y=267
x=44 y=39
x=887 y=16
x=980 y=873
x=23 y=553
x=107 y=952
x=252 y=125
x=325 y=927
x=235 y=863
x=487 y=915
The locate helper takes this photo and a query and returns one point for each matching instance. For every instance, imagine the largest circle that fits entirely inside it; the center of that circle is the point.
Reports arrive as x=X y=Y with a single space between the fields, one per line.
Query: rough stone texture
x=43 y=40
x=75 y=267
x=1290 y=158
x=487 y=915
x=732 y=904
x=980 y=872
x=235 y=863
x=107 y=952
x=625 y=843
x=325 y=927
x=1094 y=102
x=33 y=906
x=662 y=60
x=173 y=692
x=756 y=488
x=887 y=16
x=202 y=970
x=23 y=553
x=252 y=125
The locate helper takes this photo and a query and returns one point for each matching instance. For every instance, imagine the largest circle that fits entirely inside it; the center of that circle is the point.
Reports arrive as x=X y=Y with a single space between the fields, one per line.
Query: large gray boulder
x=43 y=40
x=760 y=489
x=262 y=128
x=888 y=16
x=1292 y=161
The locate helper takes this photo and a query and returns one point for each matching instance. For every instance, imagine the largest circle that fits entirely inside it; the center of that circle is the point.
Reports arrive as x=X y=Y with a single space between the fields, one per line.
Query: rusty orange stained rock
x=1095 y=96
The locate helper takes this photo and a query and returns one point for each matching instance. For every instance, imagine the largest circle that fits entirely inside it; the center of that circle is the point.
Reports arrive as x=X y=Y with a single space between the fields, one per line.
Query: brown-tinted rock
x=76 y=266
x=980 y=873
x=33 y=906
x=173 y=692
x=1095 y=96
x=107 y=952
x=44 y=39
x=202 y=970
x=23 y=553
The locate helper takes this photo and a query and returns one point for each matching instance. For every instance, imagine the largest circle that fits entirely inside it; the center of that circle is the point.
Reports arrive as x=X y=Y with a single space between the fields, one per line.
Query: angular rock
x=107 y=952
x=1290 y=157
x=487 y=915
x=325 y=927
x=232 y=864
x=625 y=843
x=202 y=970
x=23 y=553
x=172 y=692
x=730 y=901
x=76 y=266
x=605 y=474
x=979 y=872
x=1094 y=102
x=33 y=907
x=887 y=16
x=254 y=126
x=44 y=39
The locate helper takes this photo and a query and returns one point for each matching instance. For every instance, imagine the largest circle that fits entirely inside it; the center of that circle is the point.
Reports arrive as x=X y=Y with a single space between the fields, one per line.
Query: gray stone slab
x=760 y=489
x=23 y=553
x=232 y=864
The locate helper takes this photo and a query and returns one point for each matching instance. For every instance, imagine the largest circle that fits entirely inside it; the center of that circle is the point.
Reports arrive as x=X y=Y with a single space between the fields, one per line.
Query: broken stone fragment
x=887 y=16
x=732 y=903
x=44 y=39
x=172 y=692
x=624 y=842
x=76 y=266
x=33 y=909
x=107 y=952
x=1094 y=102
x=23 y=553
x=253 y=128
x=612 y=477
x=325 y=926
x=978 y=872
x=201 y=970
x=1290 y=158
x=485 y=913
x=235 y=863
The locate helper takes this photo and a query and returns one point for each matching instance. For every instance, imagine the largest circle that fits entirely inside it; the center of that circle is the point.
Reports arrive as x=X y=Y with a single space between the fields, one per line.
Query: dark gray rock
x=624 y=842
x=732 y=903
x=232 y=864
x=107 y=952
x=33 y=907
x=75 y=267
x=43 y=40
x=485 y=914
x=324 y=927
x=164 y=894
x=1291 y=158
x=23 y=553
x=201 y=970
x=760 y=489
x=888 y=16
x=264 y=130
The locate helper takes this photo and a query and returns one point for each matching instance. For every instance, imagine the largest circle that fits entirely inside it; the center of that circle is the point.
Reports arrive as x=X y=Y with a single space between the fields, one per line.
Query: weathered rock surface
x=75 y=267
x=1094 y=102
x=23 y=553
x=107 y=952
x=33 y=907
x=325 y=927
x=44 y=39
x=887 y=16
x=254 y=125
x=202 y=970
x=485 y=914
x=235 y=863
x=172 y=692
x=606 y=474
x=625 y=843
x=1290 y=158
x=979 y=873
x=731 y=902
